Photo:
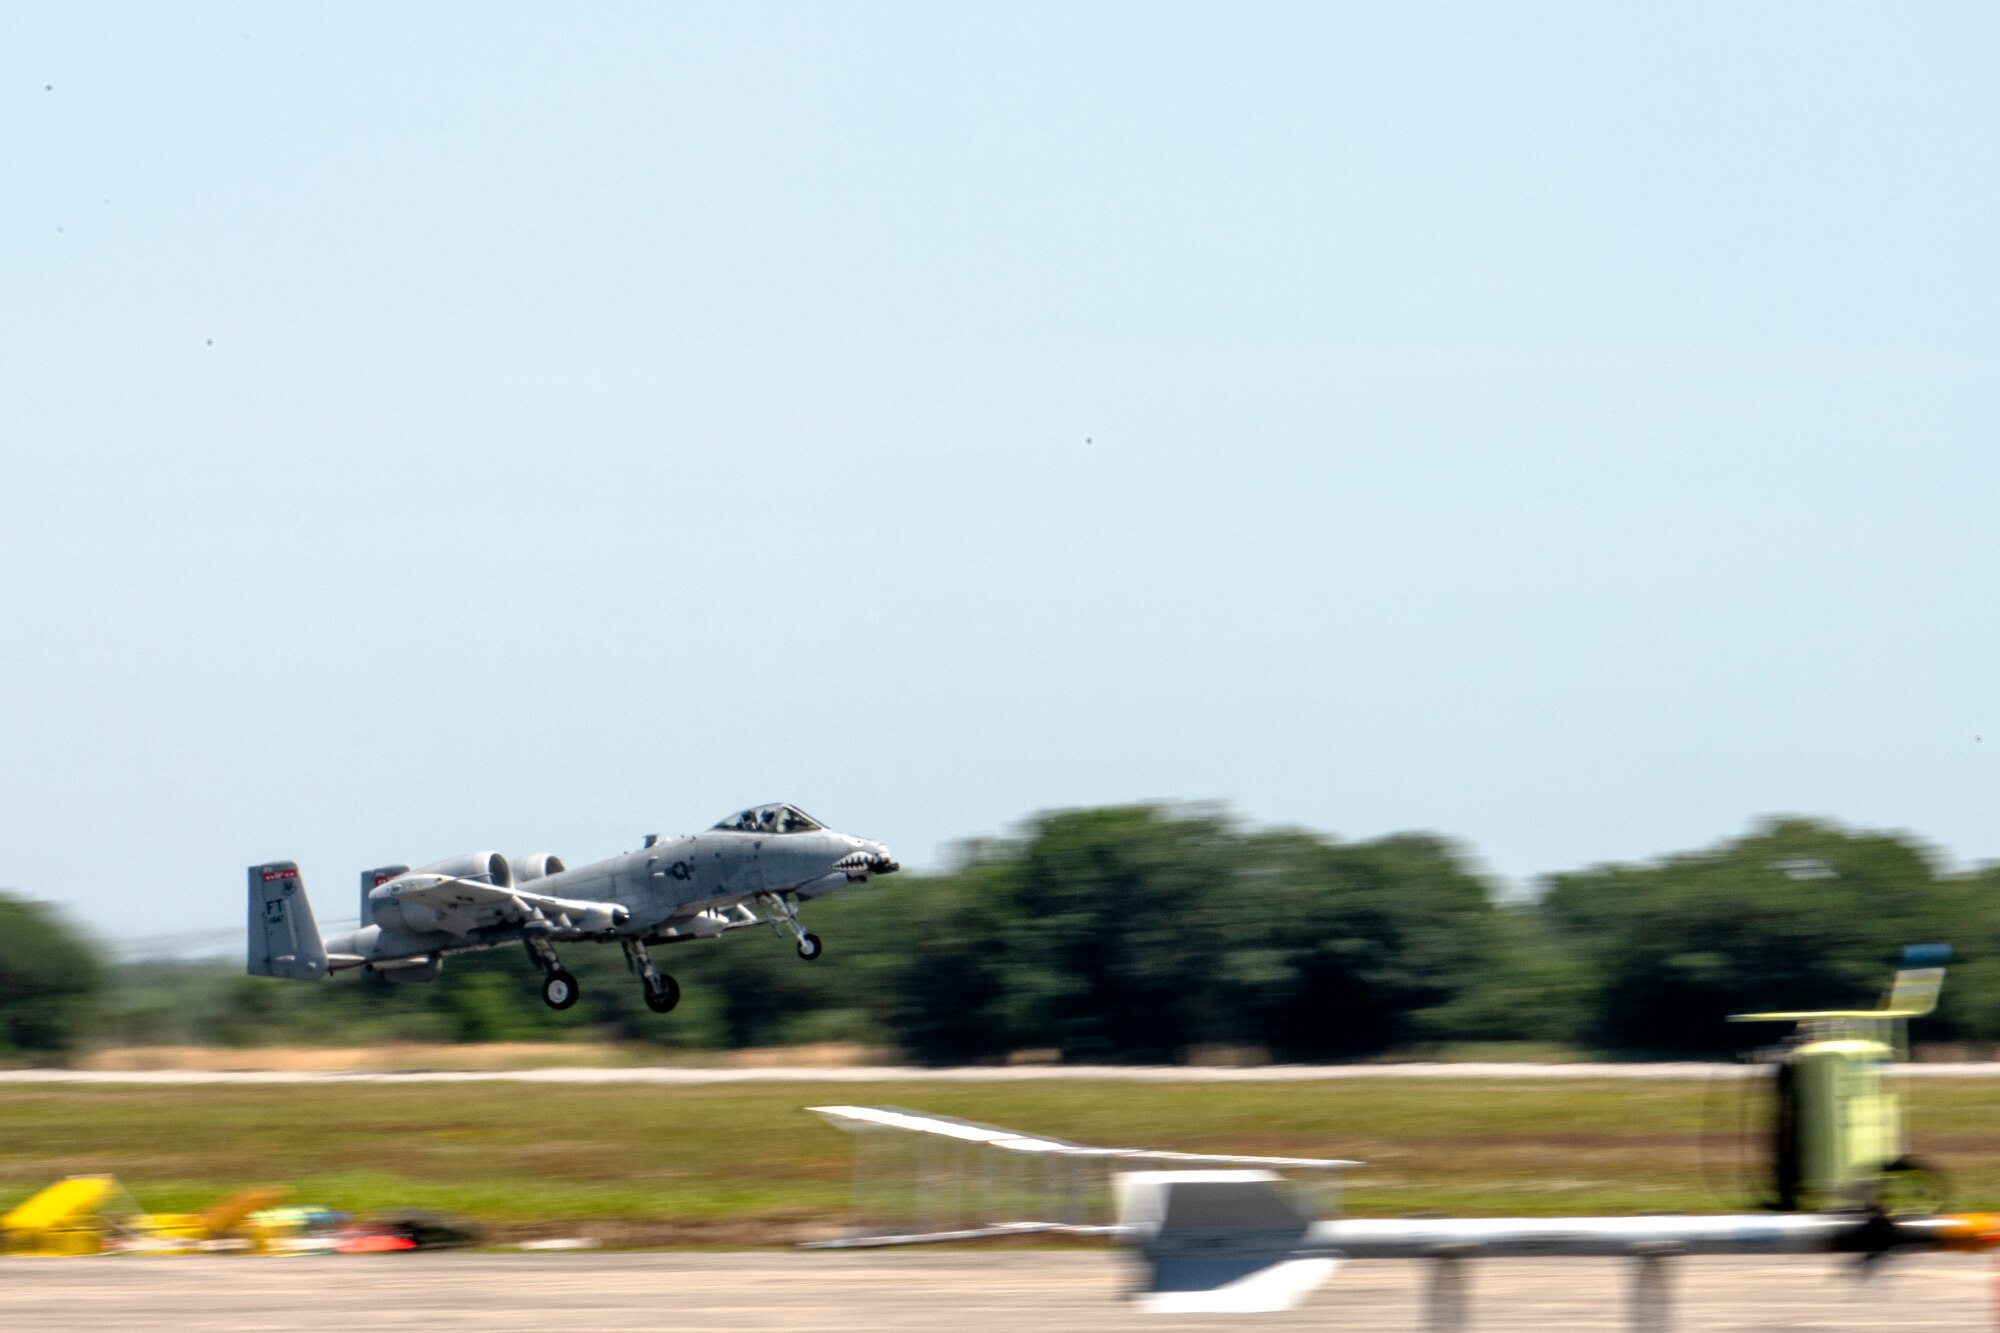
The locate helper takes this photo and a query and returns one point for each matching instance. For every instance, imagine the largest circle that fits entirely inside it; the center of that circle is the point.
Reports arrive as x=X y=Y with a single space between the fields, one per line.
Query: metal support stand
x=860 y=1203
x=1445 y=1294
x=1652 y=1294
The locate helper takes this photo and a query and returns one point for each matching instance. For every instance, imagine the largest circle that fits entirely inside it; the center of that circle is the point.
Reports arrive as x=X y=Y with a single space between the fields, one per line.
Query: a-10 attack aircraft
x=769 y=857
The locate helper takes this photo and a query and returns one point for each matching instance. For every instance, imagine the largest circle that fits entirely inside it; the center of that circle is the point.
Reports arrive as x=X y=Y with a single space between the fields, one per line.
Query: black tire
x=1912 y=1187
x=559 y=989
x=810 y=948
x=663 y=1000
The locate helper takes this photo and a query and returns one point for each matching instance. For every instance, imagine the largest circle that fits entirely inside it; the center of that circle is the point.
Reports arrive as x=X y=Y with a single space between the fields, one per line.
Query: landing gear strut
x=662 y=991
x=559 y=989
x=785 y=916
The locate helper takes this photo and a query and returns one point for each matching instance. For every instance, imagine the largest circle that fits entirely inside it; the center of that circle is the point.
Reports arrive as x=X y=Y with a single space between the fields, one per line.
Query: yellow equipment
x=90 y=1214
x=239 y=1214
x=62 y=1219
x=1837 y=1139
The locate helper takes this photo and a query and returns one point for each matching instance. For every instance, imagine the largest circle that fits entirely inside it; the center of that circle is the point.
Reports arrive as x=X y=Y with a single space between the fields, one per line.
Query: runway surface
x=964 y=1291
x=688 y=1076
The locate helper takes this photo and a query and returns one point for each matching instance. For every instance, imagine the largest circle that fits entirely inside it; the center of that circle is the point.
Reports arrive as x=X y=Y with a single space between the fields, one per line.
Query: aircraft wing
x=445 y=902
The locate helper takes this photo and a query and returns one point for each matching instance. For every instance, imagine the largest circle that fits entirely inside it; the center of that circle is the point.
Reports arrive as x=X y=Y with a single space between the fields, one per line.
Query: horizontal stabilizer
x=1913 y=994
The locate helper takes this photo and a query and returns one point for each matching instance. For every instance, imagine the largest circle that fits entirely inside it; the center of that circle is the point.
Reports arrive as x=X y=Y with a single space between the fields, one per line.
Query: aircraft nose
x=867 y=858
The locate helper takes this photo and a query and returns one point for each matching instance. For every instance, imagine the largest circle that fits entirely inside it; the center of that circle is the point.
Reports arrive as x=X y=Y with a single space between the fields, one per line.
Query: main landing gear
x=559 y=989
x=662 y=991
x=785 y=916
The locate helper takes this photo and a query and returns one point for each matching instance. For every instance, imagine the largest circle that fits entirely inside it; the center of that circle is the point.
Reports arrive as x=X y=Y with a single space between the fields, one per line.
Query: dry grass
x=737 y=1164
x=402 y=1057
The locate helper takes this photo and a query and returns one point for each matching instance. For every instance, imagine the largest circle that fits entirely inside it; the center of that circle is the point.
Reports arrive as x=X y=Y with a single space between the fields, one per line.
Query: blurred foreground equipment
x=92 y=1214
x=1226 y=1241
x=1236 y=1234
x=95 y=1215
x=64 y=1218
x=410 y=1230
x=1837 y=1123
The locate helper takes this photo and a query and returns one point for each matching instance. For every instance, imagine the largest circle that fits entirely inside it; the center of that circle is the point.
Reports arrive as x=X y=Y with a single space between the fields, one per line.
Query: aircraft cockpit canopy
x=771 y=819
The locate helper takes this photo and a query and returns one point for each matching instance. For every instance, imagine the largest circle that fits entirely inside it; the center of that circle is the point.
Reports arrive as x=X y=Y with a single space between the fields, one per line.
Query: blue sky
x=1566 y=427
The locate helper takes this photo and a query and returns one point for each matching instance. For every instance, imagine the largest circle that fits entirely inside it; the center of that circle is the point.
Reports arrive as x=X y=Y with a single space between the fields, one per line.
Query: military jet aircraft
x=752 y=869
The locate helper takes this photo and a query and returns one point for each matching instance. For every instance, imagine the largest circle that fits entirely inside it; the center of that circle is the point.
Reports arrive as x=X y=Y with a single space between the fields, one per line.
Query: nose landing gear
x=785 y=917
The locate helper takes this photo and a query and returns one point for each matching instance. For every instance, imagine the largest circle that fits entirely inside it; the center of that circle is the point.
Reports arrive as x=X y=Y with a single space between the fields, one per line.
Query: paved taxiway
x=967 y=1292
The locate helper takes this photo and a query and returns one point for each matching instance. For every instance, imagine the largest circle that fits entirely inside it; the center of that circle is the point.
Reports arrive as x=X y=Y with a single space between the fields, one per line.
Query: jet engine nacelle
x=381 y=908
x=486 y=867
x=535 y=866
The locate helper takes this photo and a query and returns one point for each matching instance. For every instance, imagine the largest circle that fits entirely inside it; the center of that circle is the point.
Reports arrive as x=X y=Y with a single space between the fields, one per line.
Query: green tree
x=1132 y=933
x=49 y=974
x=1340 y=950
x=1112 y=932
x=1796 y=915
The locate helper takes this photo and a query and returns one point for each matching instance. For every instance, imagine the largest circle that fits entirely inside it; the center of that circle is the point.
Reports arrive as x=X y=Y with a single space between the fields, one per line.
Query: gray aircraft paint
x=412 y=919
x=284 y=938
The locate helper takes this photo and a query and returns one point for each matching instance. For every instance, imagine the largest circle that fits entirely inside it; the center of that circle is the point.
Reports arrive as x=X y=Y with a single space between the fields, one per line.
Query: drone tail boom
x=284 y=938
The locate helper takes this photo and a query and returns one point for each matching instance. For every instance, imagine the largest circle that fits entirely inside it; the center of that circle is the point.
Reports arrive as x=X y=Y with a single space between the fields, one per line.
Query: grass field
x=742 y=1164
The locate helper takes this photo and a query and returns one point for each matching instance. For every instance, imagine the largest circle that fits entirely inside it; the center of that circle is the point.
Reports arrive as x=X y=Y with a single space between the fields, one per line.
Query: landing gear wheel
x=1911 y=1187
x=558 y=989
x=809 y=947
x=661 y=1000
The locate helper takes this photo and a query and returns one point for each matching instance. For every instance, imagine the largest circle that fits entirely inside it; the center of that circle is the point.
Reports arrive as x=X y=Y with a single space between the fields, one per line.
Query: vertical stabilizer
x=372 y=880
x=1914 y=993
x=284 y=938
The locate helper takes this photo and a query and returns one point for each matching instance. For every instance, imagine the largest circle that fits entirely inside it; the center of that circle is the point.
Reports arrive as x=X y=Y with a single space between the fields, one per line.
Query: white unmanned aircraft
x=769 y=857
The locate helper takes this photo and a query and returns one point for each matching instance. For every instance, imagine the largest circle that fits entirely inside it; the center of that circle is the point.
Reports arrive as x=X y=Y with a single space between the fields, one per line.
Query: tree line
x=1152 y=933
